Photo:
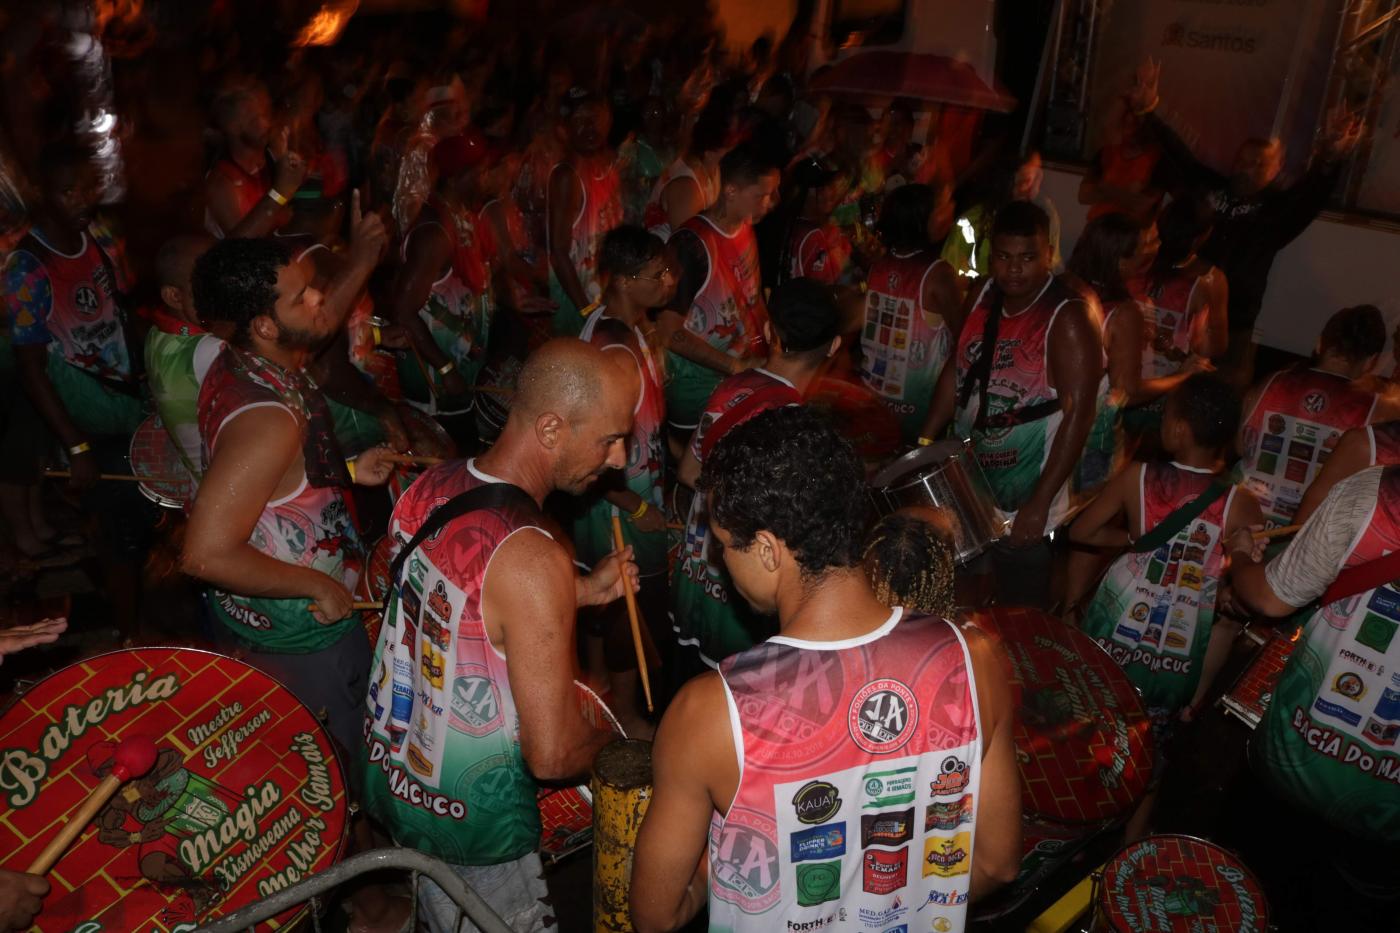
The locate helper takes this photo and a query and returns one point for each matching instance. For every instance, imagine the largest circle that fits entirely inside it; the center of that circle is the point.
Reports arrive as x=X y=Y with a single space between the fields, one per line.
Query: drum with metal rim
x=166 y=480
x=373 y=586
x=426 y=438
x=1176 y=884
x=246 y=796
x=946 y=477
x=1248 y=699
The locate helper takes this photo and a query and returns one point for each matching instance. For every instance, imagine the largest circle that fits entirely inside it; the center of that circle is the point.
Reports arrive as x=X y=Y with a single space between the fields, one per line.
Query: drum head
x=153 y=455
x=860 y=416
x=915 y=461
x=1175 y=884
x=1082 y=737
x=425 y=436
x=244 y=776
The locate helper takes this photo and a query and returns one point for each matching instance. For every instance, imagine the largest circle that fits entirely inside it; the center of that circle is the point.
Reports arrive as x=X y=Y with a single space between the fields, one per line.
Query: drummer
x=1328 y=743
x=1029 y=360
x=1359 y=448
x=462 y=724
x=910 y=562
x=782 y=789
x=271 y=528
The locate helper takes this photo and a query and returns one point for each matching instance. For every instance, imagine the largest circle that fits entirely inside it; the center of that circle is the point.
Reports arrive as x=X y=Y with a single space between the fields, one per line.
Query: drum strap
x=1175 y=521
x=774 y=396
x=486 y=496
x=979 y=374
x=1363 y=577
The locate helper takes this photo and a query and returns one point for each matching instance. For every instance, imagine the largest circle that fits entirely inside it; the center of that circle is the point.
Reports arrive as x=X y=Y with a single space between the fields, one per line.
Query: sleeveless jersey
x=178 y=356
x=1385 y=443
x=860 y=766
x=817 y=252
x=444 y=771
x=1153 y=612
x=310 y=528
x=1298 y=419
x=707 y=614
x=378 y=365
x=645 y=456
x=1104 y=445
x=654 y=217
x=599 y=212
x=1167 y=323
x=1328 y=739
x=1013 y=457
x=727 y=313
x=457 y=312
x=248 y=190
x=903 y=345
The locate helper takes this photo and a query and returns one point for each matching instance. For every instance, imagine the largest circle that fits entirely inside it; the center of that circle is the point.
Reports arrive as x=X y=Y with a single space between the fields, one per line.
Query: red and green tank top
x=903 y=344
x=1385 y=443
x=1014 y=457
x=1153 y=612
x=727 y=313
x=860 y=765
x=457 y=312
x=1297 y=421
x=248 y=190
x=1167 y=322
x=599 y=211
x=646 y=453
x=313 y=527
x=444 y=771
x=1329 y=738
x=706 y=612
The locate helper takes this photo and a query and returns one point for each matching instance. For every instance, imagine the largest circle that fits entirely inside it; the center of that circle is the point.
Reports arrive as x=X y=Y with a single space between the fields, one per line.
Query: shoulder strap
x=1363 y=577
x=979 y=373
x=1181 y=517
x=488 y=496
x=770 y=396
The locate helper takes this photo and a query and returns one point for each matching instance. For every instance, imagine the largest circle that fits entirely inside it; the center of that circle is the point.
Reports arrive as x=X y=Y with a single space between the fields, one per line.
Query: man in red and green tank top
x=714 y=327
x=1295 y=418
x=471 y=701
x=1328 y=742
x=858 y=766
x=583 y=204
x=272 y=528
x=710 y=620
x=1024 y=389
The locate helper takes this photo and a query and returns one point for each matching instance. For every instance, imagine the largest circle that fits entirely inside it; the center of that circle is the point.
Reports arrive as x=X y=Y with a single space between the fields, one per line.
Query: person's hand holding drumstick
x=604 y=584
x=21 y=898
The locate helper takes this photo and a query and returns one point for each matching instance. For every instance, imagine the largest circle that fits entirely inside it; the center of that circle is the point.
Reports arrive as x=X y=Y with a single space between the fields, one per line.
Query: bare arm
x=265 y=217
x=1092 y=525
x=565 y=201
x=695 y=772
x=1249 y=584
x=529 y=601
x=31 y=360
x=428 y=252
x=1213 y=338
x=943 y=296
x=253 y=463
x=682 y=200
x=367 y=240
x=941 y=411
x=1123 y=344
x=996 y=851
x=683 y=343
x=1352 y=455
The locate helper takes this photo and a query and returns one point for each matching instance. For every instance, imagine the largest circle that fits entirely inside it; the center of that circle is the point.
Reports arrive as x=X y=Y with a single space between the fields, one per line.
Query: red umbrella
x=922 y=76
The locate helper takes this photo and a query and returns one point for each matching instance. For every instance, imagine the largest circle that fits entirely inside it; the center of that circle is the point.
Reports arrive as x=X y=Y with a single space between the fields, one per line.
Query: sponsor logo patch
x=946 y=856
x=884 y=873
x=952 y=778
x=882 y=716
x=886 y=829
x=816 y=802
x=889 y=788
x=819 y=842
x=818 y=882
x=948 y=815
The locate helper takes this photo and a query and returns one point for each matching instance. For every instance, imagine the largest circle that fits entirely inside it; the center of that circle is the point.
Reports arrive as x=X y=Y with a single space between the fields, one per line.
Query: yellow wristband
x=350 y=468
x=277 y=197
x=925 y=441
x=641 y=510
x=79 y=448
x=378 y=337
x=446 y=368
x=133 y=838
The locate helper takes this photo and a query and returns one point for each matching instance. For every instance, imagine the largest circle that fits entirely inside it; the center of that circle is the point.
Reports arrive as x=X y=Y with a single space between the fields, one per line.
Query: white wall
x=1335 y=263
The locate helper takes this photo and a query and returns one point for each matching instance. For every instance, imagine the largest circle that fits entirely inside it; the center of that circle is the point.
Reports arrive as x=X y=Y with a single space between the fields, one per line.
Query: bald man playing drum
x=471 y=698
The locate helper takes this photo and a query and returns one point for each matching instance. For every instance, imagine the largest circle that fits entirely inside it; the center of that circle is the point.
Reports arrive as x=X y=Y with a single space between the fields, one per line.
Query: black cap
x=804 y=314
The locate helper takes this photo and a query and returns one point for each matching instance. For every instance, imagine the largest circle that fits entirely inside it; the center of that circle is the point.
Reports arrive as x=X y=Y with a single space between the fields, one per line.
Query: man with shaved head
x=471 y=698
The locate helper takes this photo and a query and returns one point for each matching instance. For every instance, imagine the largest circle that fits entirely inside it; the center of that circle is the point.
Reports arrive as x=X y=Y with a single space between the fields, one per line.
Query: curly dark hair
x=1356 y=333
x=626 y=249
x=788 y=472
x=236 y=280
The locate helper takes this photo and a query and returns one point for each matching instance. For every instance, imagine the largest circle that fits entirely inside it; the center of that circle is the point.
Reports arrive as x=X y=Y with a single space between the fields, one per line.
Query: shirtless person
x=472 y=701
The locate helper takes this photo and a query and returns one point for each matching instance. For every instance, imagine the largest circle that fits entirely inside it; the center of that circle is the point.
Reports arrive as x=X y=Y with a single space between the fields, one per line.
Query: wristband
x=350 y=468
x=133 y=838
x=278 y=197
x=378 y=337
x=446 y=368
x=82 y=447
x=641 y=510
x=925 y=441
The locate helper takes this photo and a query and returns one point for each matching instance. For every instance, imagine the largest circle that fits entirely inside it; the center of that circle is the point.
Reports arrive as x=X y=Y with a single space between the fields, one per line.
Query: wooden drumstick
x=632 y=615
x=357 y=604
x=1282 y=532
x=134 y=756
x=124 y=477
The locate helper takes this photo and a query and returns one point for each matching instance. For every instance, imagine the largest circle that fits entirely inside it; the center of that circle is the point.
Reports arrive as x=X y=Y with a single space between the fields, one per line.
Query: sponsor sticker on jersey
x=886 y=829
x=952 y=778
x=889 y=788
x=883 y=716
x=946 y=856
x=1388 y=706
x=884 y=873
x=819 y=842
x=1381 y=733
x=947 y=815
x=1327 y=708
x=1349 y=685
x=816 y=802
x=818 y=882
x=1376 y=632
x=1386 y=602
x=745 y=862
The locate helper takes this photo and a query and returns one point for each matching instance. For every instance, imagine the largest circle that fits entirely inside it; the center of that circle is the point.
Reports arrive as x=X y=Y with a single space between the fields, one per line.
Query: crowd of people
x=687 y=296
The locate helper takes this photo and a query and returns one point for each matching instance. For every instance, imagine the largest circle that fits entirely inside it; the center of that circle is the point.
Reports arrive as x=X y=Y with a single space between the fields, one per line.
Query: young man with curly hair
x=857 y=764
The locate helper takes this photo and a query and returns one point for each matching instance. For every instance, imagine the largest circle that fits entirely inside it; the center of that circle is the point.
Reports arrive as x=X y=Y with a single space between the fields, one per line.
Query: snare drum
x=566 y=813
x=373 y=586
x=493 y=408
x=1176 y=884
x=946 y=477
x=1083 y=741
x=153 y=454
x=426 y=438
x=246 y=794
x=1251 y=694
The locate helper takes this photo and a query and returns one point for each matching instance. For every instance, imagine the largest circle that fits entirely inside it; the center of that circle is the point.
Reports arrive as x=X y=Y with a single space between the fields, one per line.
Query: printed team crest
x=1315 y=402
x=86 y=302
x=892 y=283
x=745 y=861
x=882 y=716
x=476 y=703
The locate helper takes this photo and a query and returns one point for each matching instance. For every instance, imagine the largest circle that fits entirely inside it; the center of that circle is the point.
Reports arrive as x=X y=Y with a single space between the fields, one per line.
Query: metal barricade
x=469 y=903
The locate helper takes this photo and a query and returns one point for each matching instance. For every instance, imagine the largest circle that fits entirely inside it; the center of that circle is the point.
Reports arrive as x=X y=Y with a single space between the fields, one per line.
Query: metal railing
x=469 y=903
